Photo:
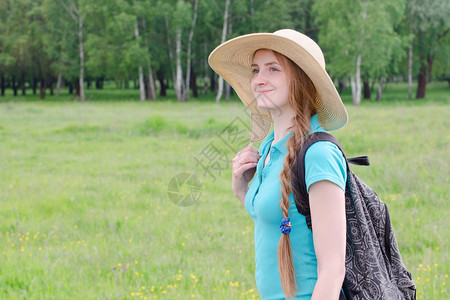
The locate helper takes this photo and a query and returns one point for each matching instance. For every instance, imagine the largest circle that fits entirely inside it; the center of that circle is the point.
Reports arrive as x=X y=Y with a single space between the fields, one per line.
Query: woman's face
x=270 y=82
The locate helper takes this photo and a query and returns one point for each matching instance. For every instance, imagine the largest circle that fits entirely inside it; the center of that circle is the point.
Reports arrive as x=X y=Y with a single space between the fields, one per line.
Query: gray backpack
x=374 y=267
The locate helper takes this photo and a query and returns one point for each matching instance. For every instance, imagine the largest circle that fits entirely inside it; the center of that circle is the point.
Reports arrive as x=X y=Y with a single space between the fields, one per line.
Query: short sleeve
x=324 y=161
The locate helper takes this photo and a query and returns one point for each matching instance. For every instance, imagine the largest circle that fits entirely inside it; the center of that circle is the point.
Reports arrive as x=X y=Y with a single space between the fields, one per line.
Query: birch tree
x=205 y=39
x=179 y=87
x=74 y=12
x=410 y=62
x=176 y=18
x=141 y=71
x=145 y=12
x=61 y=44
x=224 y=36
x=358 y=36
x=430 y=23
x=151 y=92
x=189 y=46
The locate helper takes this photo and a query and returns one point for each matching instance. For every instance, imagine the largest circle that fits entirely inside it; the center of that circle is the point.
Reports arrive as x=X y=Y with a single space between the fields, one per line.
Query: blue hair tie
x=285 y=226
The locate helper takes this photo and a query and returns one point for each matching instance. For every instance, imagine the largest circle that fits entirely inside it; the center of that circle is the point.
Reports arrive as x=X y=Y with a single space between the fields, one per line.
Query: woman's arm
x=327 y=204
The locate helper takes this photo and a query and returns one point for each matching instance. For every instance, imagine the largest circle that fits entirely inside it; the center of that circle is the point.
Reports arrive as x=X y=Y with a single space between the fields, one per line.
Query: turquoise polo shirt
x=323 y=161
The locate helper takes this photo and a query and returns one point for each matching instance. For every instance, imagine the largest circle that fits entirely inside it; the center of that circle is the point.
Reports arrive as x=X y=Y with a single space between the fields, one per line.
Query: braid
x=302 y=97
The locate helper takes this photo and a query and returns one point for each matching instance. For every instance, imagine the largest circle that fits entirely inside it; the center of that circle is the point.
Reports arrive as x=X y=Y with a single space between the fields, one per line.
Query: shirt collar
x=315 y=124
x=280 y=145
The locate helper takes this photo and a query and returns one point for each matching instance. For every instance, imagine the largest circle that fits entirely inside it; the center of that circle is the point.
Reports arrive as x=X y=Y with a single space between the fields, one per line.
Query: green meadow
x=91 y=208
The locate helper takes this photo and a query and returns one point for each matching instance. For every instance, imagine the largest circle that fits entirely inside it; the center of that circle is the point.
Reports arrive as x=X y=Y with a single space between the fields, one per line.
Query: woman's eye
x=254 y=71
x=273 y=69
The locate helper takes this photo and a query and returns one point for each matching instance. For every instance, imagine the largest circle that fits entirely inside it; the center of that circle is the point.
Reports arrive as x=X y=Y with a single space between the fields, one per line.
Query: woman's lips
x=264 y=92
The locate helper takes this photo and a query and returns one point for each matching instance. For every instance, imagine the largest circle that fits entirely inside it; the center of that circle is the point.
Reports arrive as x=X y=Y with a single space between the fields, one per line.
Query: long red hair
x=302 y=98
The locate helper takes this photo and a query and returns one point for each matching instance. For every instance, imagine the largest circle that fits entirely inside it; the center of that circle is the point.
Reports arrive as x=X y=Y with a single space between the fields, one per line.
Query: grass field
x=85 y=211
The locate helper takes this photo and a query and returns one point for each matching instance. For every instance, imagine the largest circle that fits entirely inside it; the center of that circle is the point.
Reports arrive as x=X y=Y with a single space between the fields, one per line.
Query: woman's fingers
x=244 y=173
x=245 y=161
x=244 y=168
x=248 y=154
x=244 y=165
x=249 y=148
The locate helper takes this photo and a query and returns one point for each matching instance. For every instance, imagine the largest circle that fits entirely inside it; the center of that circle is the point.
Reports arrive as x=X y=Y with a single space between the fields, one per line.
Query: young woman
x=281 y=78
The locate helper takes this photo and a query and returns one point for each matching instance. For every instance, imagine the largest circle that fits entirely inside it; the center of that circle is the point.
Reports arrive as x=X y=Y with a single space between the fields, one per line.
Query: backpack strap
x=387 y=235
x=359 y=161
x=298 y=171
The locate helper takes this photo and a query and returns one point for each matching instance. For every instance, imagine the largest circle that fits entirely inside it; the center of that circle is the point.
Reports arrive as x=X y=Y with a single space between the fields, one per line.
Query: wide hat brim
x=232 y=60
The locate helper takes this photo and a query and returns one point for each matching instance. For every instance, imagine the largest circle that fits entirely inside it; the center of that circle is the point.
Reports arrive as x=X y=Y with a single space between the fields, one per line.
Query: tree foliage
x=40 y=39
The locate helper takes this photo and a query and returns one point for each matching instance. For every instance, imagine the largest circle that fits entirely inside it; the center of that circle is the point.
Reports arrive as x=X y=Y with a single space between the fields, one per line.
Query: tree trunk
x=23 y=83
x=42 y=88
x=162 y=85
x=14 y=85
x=410 y=65
x=77 y=90
x=429 y=68
x=227 y=86
x=34 y=85
x=356 y=78
x=179 y=79
x=188 y=64
x=342 y=86
x=151 y=95
x=380 y=89
x=193 y=83
x=141 y=71
x=227 y=91
x=356 y=83
x=213 y=83
x=224 y=35
x=98 y=84
x=80 y=37
x=2 y=85
x=58 y=84
x=169 y=47
x=141 y=84
x=421 y=82
x=150 y=84
x=51 y=86
x=205 y=69
x=366 y=89
x=353 y=85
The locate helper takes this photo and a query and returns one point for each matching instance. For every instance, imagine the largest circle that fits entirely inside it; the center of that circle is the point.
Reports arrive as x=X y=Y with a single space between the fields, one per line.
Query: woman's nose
x=259 y=78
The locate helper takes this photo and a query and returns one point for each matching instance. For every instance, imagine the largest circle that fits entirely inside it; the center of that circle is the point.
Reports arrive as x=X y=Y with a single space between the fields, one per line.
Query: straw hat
x=232 y=60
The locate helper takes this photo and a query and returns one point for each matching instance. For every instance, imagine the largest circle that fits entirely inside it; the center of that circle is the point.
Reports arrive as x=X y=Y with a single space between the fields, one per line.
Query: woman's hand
x=244 y=167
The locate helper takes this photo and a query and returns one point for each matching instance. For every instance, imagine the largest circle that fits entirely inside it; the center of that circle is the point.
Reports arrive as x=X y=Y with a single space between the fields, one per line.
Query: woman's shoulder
x=323 y=150
x=324 y=161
